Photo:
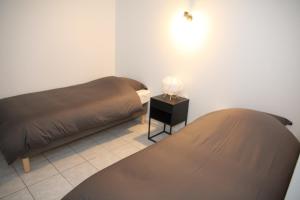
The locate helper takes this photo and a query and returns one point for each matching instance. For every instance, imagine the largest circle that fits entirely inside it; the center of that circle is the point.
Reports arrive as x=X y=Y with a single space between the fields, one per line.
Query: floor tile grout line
x=81 y=163
x=12 y=193
x=67 y=181
x=59 y=171
x=141 y=148
x=46 y=177
x=121 y=158
x=94 y=166
x=105 y=148
x=115 y=147
x=63 y=158
x=16 y=171
x=86 y=161
x=77 y=153
x=73 y=186
x=43 y=180
x=110 y=151
x=31 y=169
x=94 y=142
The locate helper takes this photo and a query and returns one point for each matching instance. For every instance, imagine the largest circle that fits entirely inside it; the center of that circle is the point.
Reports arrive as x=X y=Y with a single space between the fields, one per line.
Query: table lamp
x=171 y=86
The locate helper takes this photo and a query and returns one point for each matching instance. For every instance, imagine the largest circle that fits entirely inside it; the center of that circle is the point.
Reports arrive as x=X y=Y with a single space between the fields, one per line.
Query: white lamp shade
x=172 y=86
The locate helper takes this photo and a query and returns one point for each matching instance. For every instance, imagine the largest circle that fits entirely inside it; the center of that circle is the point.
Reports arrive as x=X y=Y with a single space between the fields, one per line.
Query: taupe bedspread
x=227 y=155
x=32 y=121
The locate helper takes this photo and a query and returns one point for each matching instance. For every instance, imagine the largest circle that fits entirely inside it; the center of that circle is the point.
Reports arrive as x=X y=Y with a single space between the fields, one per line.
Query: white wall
x=250 y=58
x=47 y=44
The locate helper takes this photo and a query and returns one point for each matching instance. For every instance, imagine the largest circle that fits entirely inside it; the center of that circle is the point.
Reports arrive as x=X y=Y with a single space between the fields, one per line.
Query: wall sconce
x=188 y=16
x=189 y=30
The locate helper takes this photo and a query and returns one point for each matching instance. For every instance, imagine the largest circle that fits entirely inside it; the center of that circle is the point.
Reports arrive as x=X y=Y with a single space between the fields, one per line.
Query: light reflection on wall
x=189 y=35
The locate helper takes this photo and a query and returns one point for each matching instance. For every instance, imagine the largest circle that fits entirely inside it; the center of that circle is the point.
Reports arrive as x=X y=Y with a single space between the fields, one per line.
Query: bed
x=231 y=154
x=36 y=122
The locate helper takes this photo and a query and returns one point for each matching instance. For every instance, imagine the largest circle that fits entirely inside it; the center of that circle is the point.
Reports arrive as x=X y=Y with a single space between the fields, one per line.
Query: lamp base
x=170 y=97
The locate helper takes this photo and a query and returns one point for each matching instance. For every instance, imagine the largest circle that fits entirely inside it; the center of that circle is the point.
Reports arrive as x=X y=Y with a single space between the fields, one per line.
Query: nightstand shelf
x=169 y=112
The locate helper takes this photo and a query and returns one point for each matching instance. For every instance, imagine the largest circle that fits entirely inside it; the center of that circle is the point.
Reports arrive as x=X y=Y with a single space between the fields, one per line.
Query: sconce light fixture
x=188 y=16
x=189 y=29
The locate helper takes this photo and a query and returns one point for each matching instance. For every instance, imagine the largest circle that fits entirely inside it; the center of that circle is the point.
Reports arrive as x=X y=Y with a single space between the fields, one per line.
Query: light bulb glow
x=189 y=34
x=171 y=85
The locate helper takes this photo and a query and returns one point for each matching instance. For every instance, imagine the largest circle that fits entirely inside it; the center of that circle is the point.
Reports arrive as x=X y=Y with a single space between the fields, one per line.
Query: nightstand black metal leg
x=185 y=122
x=164 y=131
x=149 y=127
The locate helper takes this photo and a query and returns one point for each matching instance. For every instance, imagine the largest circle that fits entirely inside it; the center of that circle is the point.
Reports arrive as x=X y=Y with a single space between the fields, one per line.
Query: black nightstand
x=170 y=112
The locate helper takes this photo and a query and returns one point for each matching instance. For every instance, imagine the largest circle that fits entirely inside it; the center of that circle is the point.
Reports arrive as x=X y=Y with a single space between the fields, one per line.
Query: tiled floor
x=56 y=172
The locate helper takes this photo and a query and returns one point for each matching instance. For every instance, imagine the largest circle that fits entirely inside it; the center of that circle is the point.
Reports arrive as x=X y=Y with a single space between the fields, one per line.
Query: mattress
x=230 y=155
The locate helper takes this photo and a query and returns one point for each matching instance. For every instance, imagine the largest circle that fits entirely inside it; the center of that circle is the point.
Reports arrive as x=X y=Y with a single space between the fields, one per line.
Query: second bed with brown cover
x=36 y=122
x=230 y=155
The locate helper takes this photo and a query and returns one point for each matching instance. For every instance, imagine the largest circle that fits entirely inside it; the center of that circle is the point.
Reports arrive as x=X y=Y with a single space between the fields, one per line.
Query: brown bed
x=36 y=122
x=230 y=155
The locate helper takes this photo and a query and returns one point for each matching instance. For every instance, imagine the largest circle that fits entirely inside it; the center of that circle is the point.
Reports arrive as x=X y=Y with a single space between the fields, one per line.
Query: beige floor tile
x=102 y=137
x=82 y=144
x=114 y=143
x=137 y=135
x=64 y=158
x=161 y=137
x=9 y=184
x=129 y=136
x=142 y=138
x=53 y=188
x=120 y=130
x=20 y=195
x=140 y=131
x=113 y=133
x=104 y=160
x=41 y=169
x=91 y=152
x=33 y=161
x=125 y=150
x=101 y=150
x=78 y=174
x=87 y=149
x=141 y=128
x=141 y=143
x=58 y=152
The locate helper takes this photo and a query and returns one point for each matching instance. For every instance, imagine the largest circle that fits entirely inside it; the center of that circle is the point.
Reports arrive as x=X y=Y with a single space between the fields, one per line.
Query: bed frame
x=26 y=158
